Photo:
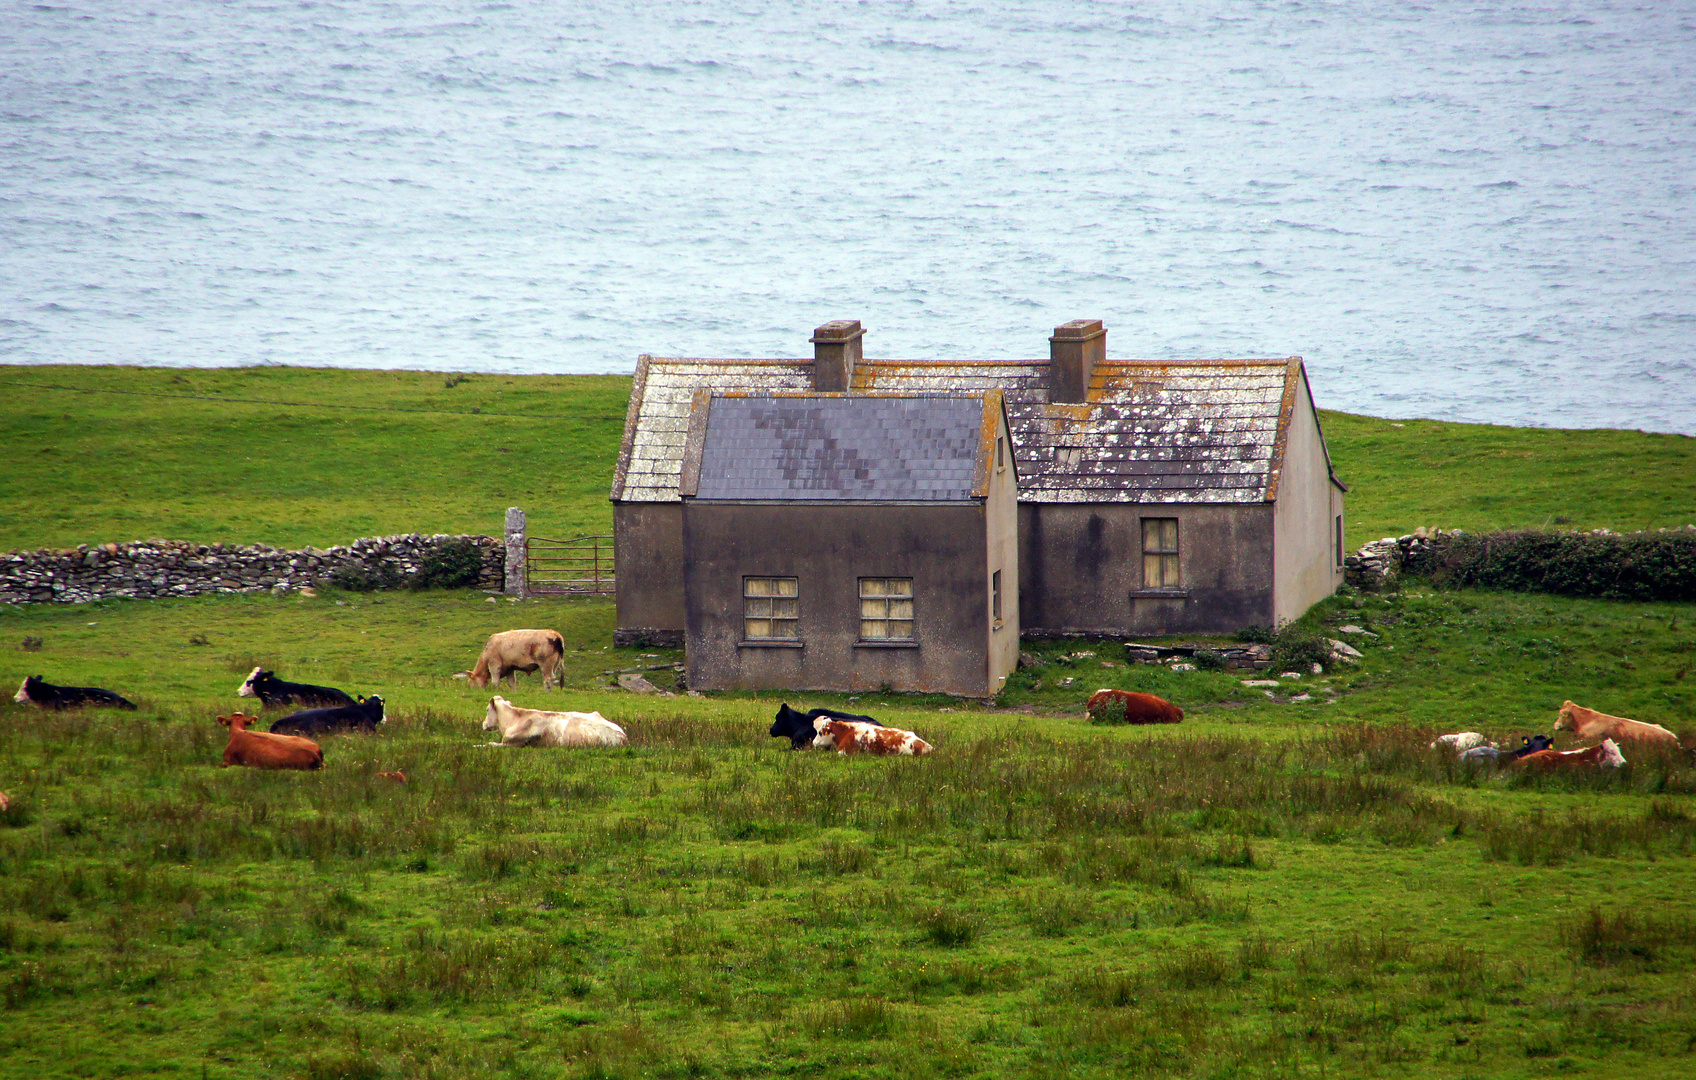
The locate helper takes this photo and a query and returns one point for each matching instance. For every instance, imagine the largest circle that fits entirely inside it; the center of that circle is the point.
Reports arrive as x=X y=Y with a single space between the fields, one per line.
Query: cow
x=260 y=750
x=271 y=690
x=512 y=651
x=854 y=737
x=1139 y=708
x=1528 y=745
x=1460 y=741
x=797 y=726
x=47 y=696
x=1590 y=724
x=364 y=716
x=397 y=776
x=1604 y=754
x=534 y=727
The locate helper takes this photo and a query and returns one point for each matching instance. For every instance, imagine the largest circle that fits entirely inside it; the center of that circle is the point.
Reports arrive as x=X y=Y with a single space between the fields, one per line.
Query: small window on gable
x=1000 y=454
x=995 y=597
x=1339 y=540
x=1160 y=553
x=886 y=609
x=771 y=608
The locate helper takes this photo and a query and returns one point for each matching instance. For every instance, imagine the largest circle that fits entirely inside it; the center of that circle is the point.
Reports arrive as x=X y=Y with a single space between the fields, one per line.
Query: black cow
x=1529 y=745
x=271 y=690
x=1533 y=744
x=797 y=726
x=364 y=716
x=48 y=696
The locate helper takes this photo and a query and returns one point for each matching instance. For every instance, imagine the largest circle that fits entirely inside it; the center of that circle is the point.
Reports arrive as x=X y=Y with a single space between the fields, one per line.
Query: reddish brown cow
x=1603 y=755
x=1139 y=708
x=263 y=750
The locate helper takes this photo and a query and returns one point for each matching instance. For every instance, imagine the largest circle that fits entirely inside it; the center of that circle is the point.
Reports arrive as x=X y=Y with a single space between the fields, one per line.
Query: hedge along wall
x=154 y=568
x=1635 y=566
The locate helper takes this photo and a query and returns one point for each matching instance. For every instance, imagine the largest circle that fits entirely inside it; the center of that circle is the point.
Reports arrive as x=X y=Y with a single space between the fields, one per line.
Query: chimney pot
x=836 y=351
x=1073 y=352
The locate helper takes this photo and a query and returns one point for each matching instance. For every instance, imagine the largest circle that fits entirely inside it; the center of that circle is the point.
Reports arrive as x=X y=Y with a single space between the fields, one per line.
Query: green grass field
x=1276 y=887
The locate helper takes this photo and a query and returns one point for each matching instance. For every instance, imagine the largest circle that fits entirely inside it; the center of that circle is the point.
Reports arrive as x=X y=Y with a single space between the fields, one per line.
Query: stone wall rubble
x=156 y=568
x=1377 y=564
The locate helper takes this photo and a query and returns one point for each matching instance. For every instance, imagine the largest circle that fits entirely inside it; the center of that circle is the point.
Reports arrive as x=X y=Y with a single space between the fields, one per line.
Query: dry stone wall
x=155 y=568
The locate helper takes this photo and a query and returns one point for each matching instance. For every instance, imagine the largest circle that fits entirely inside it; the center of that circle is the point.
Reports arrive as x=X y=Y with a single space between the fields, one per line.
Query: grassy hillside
x=293 y=456
x=1289 y=883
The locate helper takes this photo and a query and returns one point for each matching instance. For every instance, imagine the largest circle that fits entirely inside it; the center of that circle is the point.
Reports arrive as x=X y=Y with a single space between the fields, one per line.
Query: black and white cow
x=364 y=716
x=797 y=726
x=36 y=692
x=271 y=690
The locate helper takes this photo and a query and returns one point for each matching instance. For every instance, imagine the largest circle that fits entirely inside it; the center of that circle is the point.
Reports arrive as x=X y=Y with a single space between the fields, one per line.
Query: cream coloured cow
x=535 y=727
x=512 y=651
x=1590 y=724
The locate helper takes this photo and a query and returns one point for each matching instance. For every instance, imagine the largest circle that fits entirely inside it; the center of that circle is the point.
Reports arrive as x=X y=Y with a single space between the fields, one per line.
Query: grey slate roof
x=841 y=448
x=1196 y=431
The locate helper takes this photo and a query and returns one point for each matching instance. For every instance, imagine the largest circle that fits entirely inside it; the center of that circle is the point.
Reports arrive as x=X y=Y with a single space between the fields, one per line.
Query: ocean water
x=1454 y=210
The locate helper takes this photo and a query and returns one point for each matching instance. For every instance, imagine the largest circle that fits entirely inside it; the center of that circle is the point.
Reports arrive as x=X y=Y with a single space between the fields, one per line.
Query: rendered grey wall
x=648 y=553
x=1307 y=570
x=1080 y=563
x=942 y=548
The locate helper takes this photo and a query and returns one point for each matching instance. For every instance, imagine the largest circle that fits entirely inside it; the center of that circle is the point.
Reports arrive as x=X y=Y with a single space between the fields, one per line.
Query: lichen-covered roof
x=1196 y=431
x=840 y=447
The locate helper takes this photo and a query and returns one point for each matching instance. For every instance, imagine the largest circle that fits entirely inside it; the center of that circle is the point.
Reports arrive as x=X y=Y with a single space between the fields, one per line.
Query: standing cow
x=512 y=651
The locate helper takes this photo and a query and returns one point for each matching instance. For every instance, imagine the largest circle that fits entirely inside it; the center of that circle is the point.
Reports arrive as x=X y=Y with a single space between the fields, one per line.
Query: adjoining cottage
x=1154 y=497
x=849 y=542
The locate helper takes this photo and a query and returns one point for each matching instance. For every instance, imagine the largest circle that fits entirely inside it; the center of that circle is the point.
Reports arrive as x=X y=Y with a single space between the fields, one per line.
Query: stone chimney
x=836 y=349
x=1073 y=352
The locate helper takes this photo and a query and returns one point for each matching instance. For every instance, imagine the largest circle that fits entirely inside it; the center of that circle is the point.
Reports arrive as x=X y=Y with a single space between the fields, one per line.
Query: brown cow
x=512 y=651
x=1603 y=755
x=854 y=737
x=1590 y=724
x=1139 y=708
x=263 y=750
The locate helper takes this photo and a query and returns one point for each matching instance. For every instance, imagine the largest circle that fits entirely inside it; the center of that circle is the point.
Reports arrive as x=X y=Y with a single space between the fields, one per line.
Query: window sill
x=770 y=643
x=1160 y=594
x=886 y=644
x=998 y=624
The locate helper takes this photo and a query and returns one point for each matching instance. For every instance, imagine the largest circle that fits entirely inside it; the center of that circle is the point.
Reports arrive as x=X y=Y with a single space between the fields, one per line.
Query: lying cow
x=512 y=651
x=271 y=690
x=797 y=726
x=1139 y=708
x=364 y=716
x=1528 y=745
x=534 y=727
x=1461 y=741
x=47 y=696
x=857 y=737
x=260 y=750
x=1604 y=755
x=1590 y=724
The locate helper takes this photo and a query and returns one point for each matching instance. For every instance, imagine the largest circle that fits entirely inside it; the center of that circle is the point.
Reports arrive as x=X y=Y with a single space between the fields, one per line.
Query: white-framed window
x=1160 y=553
x=771 y=608
x=886 y=609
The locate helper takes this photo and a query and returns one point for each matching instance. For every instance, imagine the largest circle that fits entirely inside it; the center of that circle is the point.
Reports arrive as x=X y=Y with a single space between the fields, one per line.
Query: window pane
x=874 y=586
x=900 y=609
x=1169 y=570
x=784 y=628
x=786 y=586
x=785 y=609
x=874 y=609
x=757 y=628
x=1151 y=571
x=872 y=628
x=1169 y=534
x=901 y=629
x=901 y=586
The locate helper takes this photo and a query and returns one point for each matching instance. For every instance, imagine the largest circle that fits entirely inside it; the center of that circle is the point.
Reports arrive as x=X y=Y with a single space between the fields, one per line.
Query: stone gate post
x=515 y=567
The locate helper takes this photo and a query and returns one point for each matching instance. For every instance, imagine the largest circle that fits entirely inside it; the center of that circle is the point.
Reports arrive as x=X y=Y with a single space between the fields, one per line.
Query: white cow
x=1461 y=741
x=535 y=727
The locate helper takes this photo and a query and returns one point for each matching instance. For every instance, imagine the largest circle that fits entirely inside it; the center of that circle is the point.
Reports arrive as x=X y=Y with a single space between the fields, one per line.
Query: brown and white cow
x=263 y=750
x=536 y=727
x=855 y=737
x=1590 y=724
x=512 y=651
x=1604 y=755
x=1139 y=708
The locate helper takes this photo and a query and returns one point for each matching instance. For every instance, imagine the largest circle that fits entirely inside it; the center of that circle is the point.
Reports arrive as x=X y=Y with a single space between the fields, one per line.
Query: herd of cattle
x=288 y=743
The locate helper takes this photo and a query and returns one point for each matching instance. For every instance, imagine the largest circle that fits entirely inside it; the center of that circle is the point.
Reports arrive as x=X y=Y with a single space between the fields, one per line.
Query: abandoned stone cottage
x=1153 y=497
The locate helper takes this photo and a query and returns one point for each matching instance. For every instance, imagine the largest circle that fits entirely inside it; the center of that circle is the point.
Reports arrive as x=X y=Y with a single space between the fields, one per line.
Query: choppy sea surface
x=1454 y=210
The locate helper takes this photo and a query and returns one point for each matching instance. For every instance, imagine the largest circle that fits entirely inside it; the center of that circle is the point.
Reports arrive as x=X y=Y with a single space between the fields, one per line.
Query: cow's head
x=491 y=720
x=236 y=721
x=254 y=678
x=23 y=697
x=373 y=706
x=1610 y=757
x=1535 y=743
x=1571 y=715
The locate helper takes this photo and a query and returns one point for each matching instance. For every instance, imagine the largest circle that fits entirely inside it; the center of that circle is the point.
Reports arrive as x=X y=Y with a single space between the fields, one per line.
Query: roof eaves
x=1280 y=442
x=638 y=387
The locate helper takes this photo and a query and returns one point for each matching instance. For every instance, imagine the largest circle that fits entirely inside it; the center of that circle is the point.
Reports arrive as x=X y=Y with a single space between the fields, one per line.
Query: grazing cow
x=1460 y=741
x=1139 y=708
x=260 y=750
x=271 y=690
x=855 y=737
x=1604 y=754
x=512 y=651
x=534 y=727
x=1590 y=724
x=797 y=726
x=364 y=716
x=48 y=696
x=397 y=776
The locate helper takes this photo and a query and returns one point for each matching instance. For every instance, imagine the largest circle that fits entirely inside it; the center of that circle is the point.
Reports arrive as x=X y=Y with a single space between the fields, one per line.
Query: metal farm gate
x=568 y=567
